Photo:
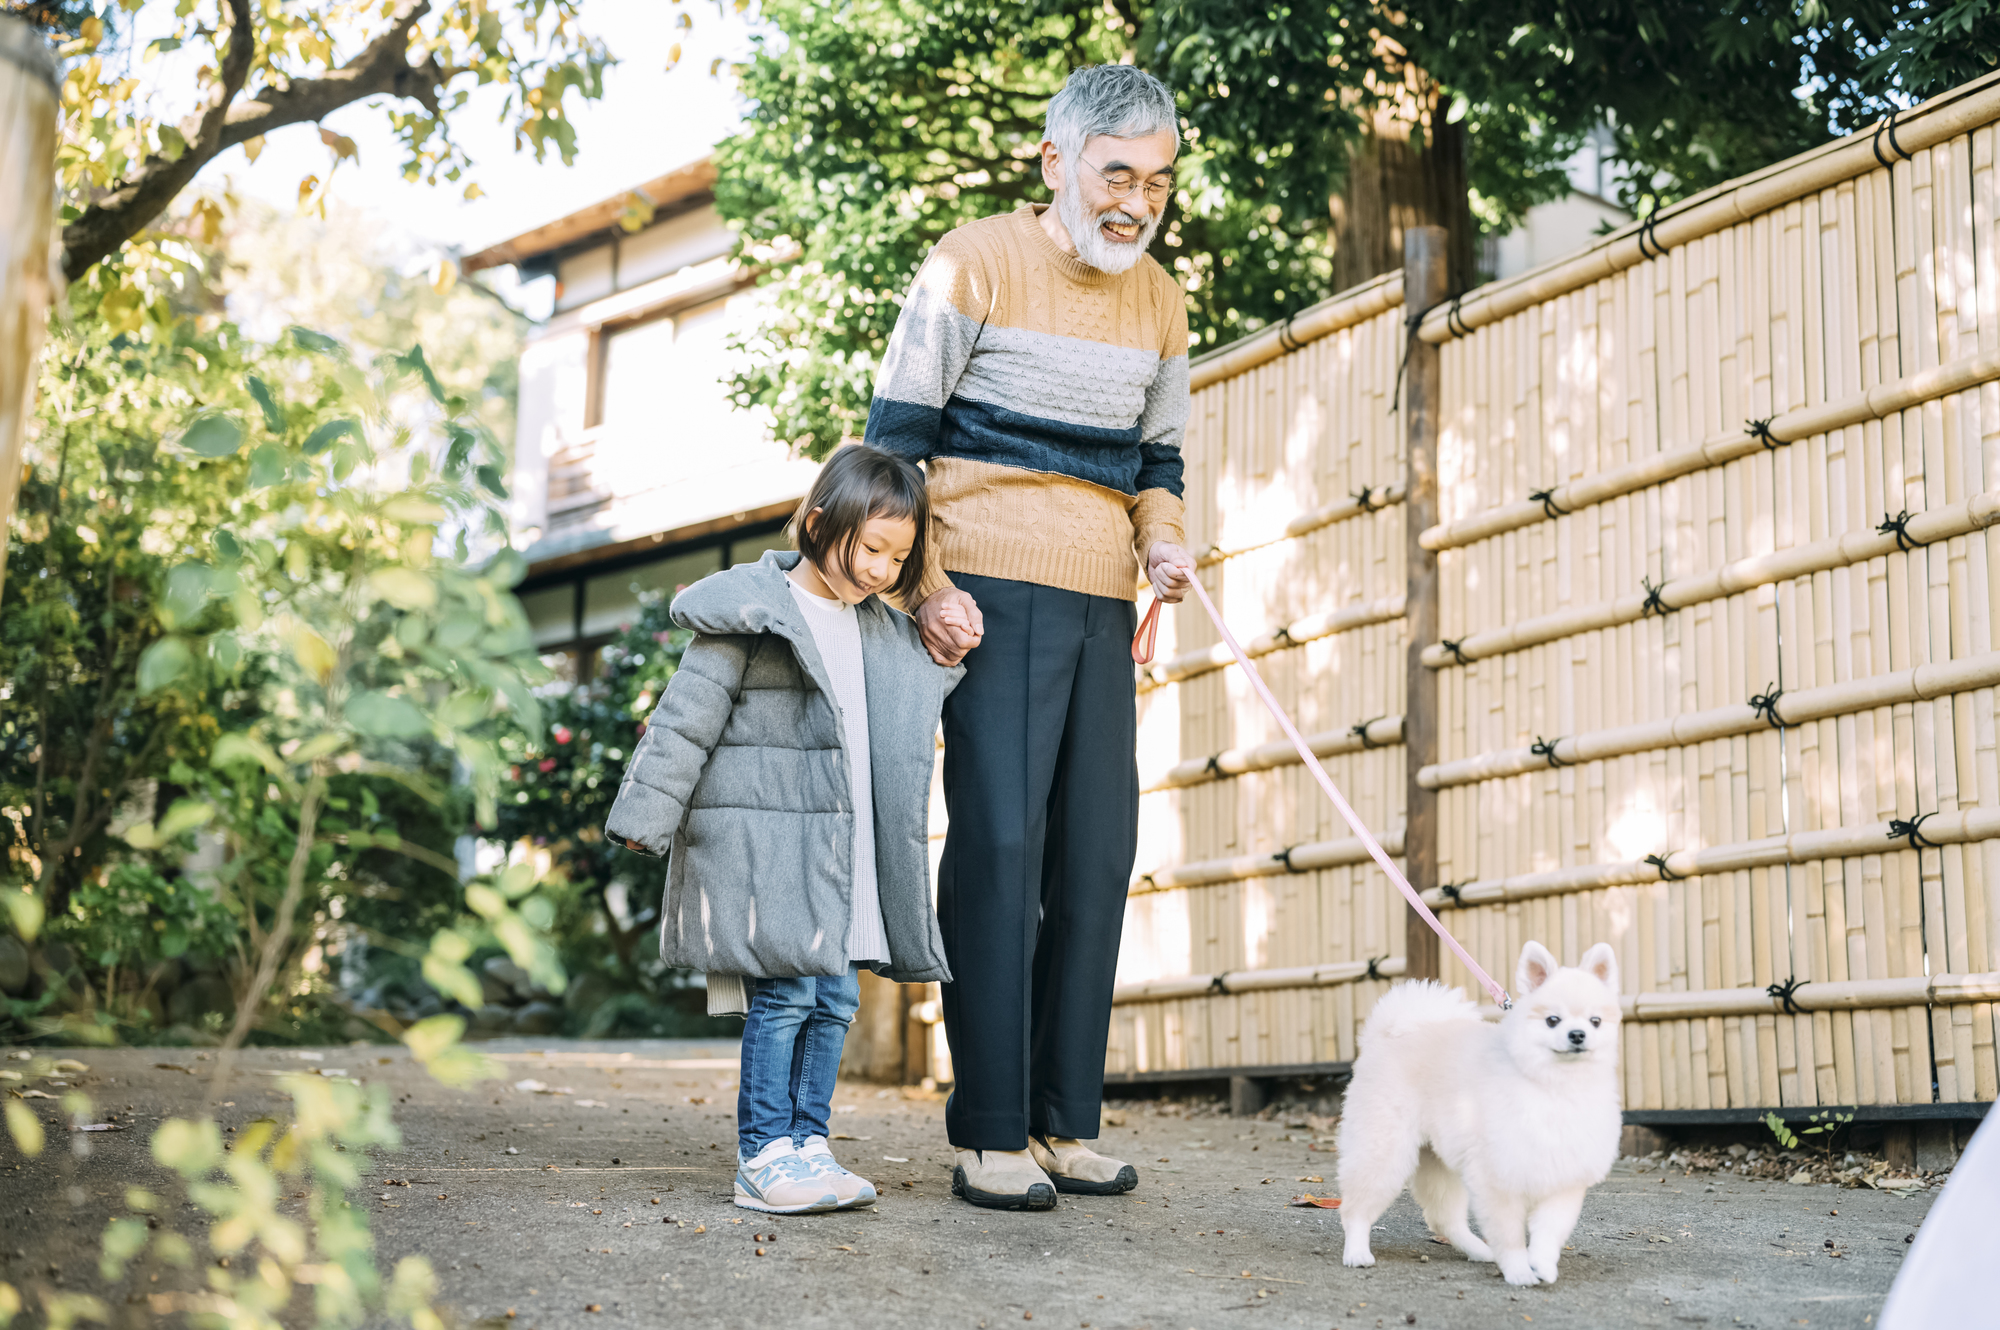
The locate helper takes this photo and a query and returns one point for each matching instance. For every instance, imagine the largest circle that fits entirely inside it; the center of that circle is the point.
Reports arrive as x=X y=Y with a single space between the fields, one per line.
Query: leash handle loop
x=1149 y=629
x=1374 y=847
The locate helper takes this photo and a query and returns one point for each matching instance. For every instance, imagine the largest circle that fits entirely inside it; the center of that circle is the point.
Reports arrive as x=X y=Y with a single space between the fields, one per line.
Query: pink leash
x=1142 y=653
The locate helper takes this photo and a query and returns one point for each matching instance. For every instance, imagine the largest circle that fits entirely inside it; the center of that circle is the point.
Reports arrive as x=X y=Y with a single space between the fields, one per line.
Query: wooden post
x=27 y=214
x=1426 y=252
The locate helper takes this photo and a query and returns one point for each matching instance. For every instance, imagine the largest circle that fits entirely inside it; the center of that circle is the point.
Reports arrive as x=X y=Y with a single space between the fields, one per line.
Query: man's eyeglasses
x=1121 y=184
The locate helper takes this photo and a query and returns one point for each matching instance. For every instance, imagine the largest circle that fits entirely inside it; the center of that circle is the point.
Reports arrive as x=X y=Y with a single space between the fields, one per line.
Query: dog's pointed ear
x=1535 y=969
x=1602 y=962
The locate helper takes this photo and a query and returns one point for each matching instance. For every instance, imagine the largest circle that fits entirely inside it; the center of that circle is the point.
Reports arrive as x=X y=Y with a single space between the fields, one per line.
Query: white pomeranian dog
x=1517 y=1118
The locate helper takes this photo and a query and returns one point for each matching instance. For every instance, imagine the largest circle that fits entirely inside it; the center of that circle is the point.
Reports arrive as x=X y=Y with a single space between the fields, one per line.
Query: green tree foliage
x=878 y=126
x=350 y=593
x=139 y=124
x=108 y=549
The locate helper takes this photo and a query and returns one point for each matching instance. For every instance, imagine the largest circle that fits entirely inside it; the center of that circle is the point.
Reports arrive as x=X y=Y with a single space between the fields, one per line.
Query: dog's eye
x=1597 y=1020
x=1554 y=1021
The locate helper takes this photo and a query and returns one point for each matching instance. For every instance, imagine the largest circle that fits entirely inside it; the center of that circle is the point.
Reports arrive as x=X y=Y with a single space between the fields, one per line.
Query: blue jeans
x=791 y=1054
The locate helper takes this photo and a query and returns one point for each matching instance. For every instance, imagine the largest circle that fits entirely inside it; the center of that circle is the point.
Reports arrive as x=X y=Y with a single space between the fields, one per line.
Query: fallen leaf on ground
x=1318 y=1202
x=174 y=1066
x=97 y=1126
x=70 y=1067
x=895 y=1159
x=33 y=1094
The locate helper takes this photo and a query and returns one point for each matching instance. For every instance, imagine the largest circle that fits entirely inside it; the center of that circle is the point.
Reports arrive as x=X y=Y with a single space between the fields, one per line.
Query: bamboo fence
x=1716 y=662
x=1256 y=929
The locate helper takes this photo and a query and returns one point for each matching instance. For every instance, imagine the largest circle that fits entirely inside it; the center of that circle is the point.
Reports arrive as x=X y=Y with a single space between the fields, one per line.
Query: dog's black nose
x=1576 y=1038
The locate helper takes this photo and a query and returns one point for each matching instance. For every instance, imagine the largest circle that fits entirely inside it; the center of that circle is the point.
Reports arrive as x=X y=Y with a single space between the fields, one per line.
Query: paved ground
x=616 y=1212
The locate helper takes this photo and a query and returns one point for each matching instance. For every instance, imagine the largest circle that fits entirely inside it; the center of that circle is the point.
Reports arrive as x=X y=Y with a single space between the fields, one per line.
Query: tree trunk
x=27 y=217
x=1398 y=179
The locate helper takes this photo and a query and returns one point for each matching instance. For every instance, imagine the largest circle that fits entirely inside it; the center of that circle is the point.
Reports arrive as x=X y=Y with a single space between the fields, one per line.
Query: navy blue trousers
x=1043 y=795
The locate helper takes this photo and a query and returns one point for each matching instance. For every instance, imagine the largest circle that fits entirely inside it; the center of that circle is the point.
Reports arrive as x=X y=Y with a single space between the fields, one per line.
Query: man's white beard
x=1091 y=246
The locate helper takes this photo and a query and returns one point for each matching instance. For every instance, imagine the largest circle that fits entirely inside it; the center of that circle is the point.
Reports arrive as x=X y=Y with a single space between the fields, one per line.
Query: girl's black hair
x=857 y=483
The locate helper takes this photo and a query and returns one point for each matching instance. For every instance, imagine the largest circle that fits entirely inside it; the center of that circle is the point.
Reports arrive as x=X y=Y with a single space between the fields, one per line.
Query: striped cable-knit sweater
x=1046 y=400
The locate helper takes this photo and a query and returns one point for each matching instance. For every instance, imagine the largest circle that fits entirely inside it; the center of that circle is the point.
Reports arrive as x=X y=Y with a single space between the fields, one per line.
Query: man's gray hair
x=1119 y=100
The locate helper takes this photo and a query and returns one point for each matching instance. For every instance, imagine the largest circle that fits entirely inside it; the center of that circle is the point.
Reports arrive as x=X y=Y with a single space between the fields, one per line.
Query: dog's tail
x=1408 y=1006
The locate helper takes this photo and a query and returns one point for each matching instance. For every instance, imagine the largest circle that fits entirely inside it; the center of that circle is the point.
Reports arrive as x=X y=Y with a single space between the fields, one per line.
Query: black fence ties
x=1453 y=322
x=1150 y=884
x=1760 y=430
x=1449 y=890
x=1215 y=984
x=1649 y=244
x=1456 y=650
x=1284 y=857
x=1215 y=552
x=1659 y=862
x=1899 y=527
x=1374 y=973
x=1361 y=732
x=1783 y=992
x=1411 y=322
x=1914 y=829
x=1548 y=751
x=1766 y=705
x=1547 y=498
x=1285 y=338
x=1364 y=499
x=1283 y=633
x=1887 y=129
x=1655 y=604
x=1213 y=767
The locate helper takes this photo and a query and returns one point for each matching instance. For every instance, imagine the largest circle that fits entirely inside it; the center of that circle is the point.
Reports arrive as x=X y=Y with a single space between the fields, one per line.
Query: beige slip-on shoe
x=1078 y=1170
x=1002 y=1180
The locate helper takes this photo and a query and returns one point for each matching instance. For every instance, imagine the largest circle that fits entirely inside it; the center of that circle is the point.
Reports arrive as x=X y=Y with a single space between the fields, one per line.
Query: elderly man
x=1039 y=372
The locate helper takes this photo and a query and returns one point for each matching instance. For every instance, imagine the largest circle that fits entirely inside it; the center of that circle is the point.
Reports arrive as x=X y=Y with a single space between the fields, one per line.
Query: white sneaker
x=781 y=1181
x=853 y=1190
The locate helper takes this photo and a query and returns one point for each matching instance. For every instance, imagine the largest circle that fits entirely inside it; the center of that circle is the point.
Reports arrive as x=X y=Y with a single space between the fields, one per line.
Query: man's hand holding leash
x=1171 y=571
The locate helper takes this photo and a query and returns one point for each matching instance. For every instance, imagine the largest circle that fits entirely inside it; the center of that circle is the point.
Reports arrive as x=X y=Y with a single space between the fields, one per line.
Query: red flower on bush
x=547 y=764
x=513 y=773
x=563 y=734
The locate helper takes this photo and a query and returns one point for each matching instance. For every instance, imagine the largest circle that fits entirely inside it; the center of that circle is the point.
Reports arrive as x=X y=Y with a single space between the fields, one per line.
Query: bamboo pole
x=1230 y=982
x=1680 y=866
x=1381 y=732
x=1334 y=314
x=27 y=219
x=1795 y=707
x=1726 y=446
x=1239 y=868
x=1744 y=574
x=1940 y=118
x=1190 y=664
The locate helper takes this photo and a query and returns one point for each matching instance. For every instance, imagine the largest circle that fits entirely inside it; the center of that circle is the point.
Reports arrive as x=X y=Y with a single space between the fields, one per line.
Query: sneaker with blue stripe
x=781 y=1181
x=855 y=1192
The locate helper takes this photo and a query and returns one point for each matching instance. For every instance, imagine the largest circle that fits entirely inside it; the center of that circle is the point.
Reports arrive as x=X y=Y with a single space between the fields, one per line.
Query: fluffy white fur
x=1515 y=1119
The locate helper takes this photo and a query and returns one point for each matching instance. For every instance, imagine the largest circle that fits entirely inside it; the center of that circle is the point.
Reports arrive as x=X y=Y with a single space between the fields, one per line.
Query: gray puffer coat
x=741 y=781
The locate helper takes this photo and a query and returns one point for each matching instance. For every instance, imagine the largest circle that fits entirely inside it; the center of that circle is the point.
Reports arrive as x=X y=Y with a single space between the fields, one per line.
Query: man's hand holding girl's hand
x=1171 y=571
x=950 y=624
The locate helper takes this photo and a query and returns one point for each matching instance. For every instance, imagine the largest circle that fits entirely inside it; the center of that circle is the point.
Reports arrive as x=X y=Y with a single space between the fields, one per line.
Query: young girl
x=786 y=776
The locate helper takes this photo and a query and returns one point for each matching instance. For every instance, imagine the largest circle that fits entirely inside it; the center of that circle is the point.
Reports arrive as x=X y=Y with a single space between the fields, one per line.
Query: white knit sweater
x=838 y=637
